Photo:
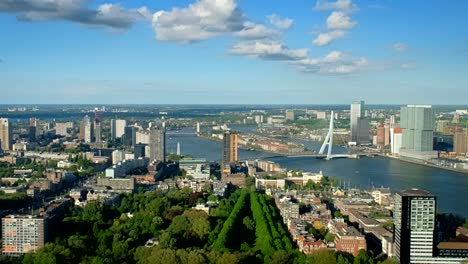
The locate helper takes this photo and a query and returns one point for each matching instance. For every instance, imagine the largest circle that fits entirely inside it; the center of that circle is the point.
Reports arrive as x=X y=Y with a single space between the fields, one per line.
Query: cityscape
x=226 y=131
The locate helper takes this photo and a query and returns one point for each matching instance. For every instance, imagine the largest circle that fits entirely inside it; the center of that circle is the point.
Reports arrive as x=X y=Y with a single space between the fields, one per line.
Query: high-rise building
x=97 y=126
x=230 y=151
x=460 y=144
x=86 y=130
x=362 y=131
x=414 y=219
x=6 y=134
x=118 y=128
x=22 y=234
x=417 y=122
x=129 y=137
x=157 y=144
x=387 y=135
x=357 y=112
x=380 y=136
x=395 y=139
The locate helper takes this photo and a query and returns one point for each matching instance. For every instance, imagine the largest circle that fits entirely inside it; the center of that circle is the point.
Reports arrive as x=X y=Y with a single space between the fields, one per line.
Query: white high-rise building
x=118 y=128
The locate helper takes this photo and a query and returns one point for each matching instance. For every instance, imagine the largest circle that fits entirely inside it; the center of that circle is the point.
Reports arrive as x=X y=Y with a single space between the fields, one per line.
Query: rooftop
x=415 y=192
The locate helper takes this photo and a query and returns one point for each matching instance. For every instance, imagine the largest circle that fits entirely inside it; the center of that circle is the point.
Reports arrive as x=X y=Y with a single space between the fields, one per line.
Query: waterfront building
x=22 y=234
x=118 y=128
x=387 y=135
x=460 y=144
x=362 y=131
x=157 y=144
x=395 y=139
x=230 y=151
x=380 y=136
x=6 y=134
x=417 y=125
x=357 y=111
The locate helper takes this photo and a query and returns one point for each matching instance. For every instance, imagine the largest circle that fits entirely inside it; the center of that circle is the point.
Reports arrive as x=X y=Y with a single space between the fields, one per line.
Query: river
x=449 y=187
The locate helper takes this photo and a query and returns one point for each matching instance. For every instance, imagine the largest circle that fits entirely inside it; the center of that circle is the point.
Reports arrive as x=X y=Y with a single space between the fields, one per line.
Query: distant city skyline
x=228 y=51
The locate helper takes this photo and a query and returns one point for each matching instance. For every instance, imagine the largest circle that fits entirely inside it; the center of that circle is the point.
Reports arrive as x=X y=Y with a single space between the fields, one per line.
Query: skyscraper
x=460 y=144
x=417 y=123
x=6 y=134
x=357 y=112
x=157 y=144
x=118 y=128
x=414 y=219
x=230 y=151
x=129 y=137
x=97 y=126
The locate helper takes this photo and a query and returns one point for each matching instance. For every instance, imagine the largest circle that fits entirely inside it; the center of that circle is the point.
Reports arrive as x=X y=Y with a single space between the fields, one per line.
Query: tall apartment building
x=97 y=127
x=6 y=134
x=86 y=130
x=157 y=144
x=22 y=234
x=230 y=151
x=118 y=128
x=129 y=137
x=417 y=122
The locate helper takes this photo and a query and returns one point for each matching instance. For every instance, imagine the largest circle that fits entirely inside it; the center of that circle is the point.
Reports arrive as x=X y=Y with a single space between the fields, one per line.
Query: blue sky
x=227 y=51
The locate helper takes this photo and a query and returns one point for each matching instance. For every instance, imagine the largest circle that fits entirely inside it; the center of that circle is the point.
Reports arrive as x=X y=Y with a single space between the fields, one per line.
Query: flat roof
x=415 y=192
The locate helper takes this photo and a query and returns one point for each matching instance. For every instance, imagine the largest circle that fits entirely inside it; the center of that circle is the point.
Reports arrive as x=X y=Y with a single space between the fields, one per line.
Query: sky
x=233 y=52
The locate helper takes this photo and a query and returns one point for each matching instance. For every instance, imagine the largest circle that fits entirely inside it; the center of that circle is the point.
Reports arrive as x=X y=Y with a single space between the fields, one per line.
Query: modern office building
x=22 y=234
x=414 y=219
x=6 y=134
x=358 y=123
x=230 y=151
x=157 y=144
x=395 y=139
x=118 y=128
x=417 y=122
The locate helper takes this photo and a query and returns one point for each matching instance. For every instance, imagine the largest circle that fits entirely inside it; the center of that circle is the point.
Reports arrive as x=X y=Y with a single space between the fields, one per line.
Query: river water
x=450 y=187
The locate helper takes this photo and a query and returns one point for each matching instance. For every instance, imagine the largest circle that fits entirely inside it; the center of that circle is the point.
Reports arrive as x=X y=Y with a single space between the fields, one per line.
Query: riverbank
x=426 y=164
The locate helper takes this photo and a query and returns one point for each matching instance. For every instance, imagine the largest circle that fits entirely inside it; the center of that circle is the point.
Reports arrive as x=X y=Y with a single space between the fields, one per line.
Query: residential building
x=22 y=234
x=61 y=129
x=86 y=130
x=417 y=125
x=395 y=139
x=6 y=134
x=129 y=137
x=118 y=128
x=97 y=127
x=290 y=115
x=157 y=144
x=230 y=151
x=348 y=239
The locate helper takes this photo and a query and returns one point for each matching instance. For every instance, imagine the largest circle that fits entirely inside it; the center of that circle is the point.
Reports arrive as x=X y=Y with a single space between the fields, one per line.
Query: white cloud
x=341 y=5
x=256 y=31
x=334 y=63
x=106 y=15
x=201 y=20
x=407 y=65
x=333 y=56
x=281 y=23
x=339 y=20
x=268 y=50
x=400 y=47
x=325 y=38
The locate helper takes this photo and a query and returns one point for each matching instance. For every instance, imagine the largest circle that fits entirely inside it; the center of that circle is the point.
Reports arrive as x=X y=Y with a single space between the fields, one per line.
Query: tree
x=329 y=237
x=363 y=258
x=323 y=256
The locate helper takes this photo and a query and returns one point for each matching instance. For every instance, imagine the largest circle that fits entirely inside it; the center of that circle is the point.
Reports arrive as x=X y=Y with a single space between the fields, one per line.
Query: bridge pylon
x=328 y=139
